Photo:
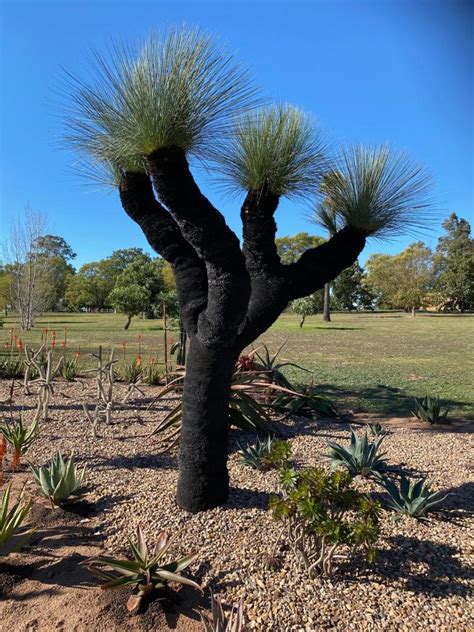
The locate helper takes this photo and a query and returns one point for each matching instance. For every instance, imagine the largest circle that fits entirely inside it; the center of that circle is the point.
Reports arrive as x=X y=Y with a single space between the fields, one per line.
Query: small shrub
x=152 y=374
x=69 y=369
x=20 y=438
x=219 y=622
x=266 y=454
x=413 y=499
x=324 y=513
x=360 y=457
x=147 y=570
x=12 y=368
x=59 y=479
x=429 y=410
x=12 y=534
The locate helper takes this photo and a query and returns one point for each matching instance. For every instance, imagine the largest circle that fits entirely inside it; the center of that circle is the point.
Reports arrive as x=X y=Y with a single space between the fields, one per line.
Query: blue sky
x=373 y=71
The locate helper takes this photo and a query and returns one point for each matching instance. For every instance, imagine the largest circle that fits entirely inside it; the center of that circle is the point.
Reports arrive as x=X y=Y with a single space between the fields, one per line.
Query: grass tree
x=140 y=116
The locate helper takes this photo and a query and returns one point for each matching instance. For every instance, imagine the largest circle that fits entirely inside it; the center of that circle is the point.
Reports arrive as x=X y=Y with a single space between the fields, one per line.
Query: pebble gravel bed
x=421 y=579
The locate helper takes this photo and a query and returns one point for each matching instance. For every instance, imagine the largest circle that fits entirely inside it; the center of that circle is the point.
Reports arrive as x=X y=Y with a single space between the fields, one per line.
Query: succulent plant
x=266 y=454
x=69 y=369
x=377 y=430
x=12 y=367
x=326 y=519
x=147 y=570
x=20 y=437
x=59 y=479
x=12 y=534
x=413 y=499
x=219 y=621
x=304 y=402
x=429 y=410
x=360 y=457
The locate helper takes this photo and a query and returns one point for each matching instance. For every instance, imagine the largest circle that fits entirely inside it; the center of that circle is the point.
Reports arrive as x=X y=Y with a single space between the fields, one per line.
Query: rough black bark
x=327 y=303
x=228 y=296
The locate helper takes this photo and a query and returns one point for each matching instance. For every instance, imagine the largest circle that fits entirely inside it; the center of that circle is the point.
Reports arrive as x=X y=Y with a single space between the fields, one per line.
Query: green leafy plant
x=147 y=570
x=20 y=437
x=12 y=534
x=152 y=374
x=271 y=366
x=245 y=412
x=323 y=514
x=429 y=410
x=12 y=367
x=413 y=499
x=59 y=479
x=266 y=454
x=219 y=622
x=304 y=402
x=360 y=457
x=377 y=430
x=69 y=369
x=130 y=372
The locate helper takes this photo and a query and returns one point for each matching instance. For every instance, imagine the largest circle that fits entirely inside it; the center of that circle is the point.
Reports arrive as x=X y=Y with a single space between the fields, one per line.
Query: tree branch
x=204 y=227
x=164 y=236
x=319 y=265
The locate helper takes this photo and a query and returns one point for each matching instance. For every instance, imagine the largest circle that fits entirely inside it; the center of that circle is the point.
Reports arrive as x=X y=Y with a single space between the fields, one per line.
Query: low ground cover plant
x=326 y=518
x=266 y=454
x=147 y=571
x=361 y=457
x=429 y=410
x=59 y=479
x=20 y=437
x=13 y=534
x=412 y=498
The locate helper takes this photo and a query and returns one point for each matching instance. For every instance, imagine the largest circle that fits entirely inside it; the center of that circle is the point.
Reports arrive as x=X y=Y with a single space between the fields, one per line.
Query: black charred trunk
x=203 y=478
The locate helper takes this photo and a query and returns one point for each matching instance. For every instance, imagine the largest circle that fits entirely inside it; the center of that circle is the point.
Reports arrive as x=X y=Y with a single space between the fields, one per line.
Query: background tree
x=454 y=265
x=350 y=290
x=56 y=253
x=5 y=285
x=402 y=281
x=148 y=111
x=130 y=300
x=307 y=306
x=290 y=248
x=30 y=288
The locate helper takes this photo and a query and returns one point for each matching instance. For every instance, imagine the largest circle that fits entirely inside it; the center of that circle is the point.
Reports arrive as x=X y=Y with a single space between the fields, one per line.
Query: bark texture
x=228 y=296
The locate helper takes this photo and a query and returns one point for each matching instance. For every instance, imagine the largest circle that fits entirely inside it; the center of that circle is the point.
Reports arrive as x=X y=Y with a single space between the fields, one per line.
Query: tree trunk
x=326 y=308
x=413 y=311
x=127 y=324
x=203 y=478
x=302 y=320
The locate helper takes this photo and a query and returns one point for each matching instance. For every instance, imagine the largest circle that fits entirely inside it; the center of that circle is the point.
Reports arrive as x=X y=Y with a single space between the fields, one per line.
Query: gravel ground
x=420 y=581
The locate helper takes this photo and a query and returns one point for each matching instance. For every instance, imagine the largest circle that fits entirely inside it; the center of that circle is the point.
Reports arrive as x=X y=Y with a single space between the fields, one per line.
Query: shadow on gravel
x=242 y=498
x=460 y=501
x=441 y=573
x=162 y=461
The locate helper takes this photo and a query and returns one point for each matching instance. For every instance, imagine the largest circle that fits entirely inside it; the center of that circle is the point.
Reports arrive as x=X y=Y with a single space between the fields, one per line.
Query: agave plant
x=244 y=411
x=377 y=430
x=304 y=402
x=20 y=437
x=219 y=622
x=413 y=499
x=271 y=366
x=12 y=534
x=147 y=570
x=59 y=479
x=266 y=454
x=360 y=457
x=429 y=410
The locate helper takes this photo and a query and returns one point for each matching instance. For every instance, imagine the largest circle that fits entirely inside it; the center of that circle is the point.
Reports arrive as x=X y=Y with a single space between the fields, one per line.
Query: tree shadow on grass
x=384 y=399
x=424 y=566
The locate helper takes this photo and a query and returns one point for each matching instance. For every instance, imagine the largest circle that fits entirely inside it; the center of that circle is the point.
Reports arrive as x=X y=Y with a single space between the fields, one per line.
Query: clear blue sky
x=373 y=71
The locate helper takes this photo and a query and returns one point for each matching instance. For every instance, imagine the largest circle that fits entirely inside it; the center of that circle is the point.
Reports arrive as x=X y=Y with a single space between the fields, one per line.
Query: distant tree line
x=38 y=276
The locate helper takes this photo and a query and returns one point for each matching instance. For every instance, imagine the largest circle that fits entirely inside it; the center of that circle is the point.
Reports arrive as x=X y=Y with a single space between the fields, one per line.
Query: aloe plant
x=429 y=410
x=266 y=453
x=20 y=437
x=219 y=622
x=12 y=534
x=413 y=499
x=59 y=479
x=360 y=457
x=147 y=570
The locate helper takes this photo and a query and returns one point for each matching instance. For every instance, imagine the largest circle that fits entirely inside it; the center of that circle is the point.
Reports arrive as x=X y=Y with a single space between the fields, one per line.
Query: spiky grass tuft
x=376 y=190
x=180 y=89
x=277 y=148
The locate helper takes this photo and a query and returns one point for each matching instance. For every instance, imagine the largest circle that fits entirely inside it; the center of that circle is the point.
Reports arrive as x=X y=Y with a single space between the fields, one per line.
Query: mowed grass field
x=364 y=362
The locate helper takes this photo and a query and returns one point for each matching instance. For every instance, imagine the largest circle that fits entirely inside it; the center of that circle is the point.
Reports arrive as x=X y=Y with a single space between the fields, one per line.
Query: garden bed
x=420 y=579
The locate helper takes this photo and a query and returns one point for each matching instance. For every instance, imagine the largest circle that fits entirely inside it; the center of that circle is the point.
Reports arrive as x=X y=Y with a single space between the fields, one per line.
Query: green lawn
x=367 y=362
